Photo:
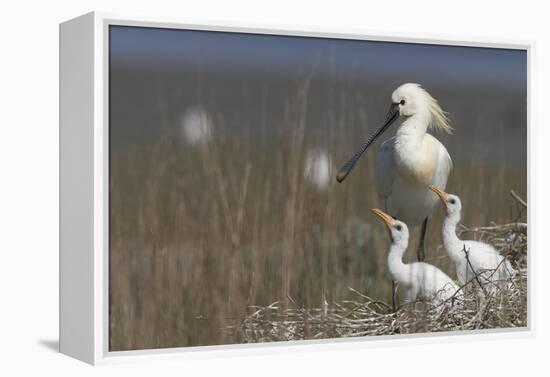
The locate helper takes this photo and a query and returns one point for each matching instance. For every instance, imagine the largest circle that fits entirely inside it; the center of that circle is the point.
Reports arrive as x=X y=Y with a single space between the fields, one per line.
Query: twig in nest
x=467 y=252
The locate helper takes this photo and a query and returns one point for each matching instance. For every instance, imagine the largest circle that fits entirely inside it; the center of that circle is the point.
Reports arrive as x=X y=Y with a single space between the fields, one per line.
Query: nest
x=504 y=307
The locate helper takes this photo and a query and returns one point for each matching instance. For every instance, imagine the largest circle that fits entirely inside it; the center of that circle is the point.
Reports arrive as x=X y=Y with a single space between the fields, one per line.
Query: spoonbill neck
x=416 y=153
x=413 y=128
x=398 y=270
x=450 y=239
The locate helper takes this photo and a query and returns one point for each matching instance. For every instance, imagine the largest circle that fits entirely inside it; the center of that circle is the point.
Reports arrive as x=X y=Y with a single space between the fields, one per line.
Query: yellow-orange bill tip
x=340 y=176
x=384 y=216
x=442 y=195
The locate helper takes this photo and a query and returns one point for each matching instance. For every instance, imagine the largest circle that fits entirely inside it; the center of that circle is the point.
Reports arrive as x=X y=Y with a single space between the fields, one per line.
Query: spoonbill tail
x=482 y=259
x=411 y=160
x=420 y=280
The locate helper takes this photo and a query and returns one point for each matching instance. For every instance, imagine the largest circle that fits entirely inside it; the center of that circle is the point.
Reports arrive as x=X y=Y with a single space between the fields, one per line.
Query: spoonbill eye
x=402 y=102
x=452 y=201
x=398 y=227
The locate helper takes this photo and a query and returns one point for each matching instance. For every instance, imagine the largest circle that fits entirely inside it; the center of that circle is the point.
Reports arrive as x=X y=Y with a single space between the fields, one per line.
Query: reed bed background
x=204 y=226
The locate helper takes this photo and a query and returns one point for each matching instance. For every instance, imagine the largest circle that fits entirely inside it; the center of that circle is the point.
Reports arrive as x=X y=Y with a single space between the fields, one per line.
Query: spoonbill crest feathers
x=416 y=100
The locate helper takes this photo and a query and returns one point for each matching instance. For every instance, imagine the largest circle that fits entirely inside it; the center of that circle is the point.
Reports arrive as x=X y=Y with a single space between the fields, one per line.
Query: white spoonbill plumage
x=412 y=159
x=484 y=259
x=420 y=280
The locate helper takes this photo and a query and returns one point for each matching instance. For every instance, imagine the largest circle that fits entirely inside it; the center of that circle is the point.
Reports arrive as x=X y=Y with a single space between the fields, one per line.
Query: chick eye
x=452 y=201
x=398 y=227
x=402 y=102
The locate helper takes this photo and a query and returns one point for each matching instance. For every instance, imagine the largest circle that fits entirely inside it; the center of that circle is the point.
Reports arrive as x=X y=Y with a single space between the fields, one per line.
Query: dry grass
x=504 y=308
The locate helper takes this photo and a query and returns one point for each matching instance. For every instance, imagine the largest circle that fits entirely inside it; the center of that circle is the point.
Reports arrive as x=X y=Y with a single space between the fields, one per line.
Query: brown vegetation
x=505 y=307
x=200 y=234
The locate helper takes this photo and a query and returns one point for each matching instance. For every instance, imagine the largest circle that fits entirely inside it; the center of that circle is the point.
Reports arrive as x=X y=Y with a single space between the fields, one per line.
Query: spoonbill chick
x=411 y=160
x=471 y=258
x=420 y=280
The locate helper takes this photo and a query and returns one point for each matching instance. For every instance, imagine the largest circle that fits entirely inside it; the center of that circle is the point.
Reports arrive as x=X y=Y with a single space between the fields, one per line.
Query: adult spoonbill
x=420 y=280
x=482 y=259
x=411 y=160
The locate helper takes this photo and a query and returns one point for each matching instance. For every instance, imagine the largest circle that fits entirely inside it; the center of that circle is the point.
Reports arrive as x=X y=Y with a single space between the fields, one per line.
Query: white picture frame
x=84 y=191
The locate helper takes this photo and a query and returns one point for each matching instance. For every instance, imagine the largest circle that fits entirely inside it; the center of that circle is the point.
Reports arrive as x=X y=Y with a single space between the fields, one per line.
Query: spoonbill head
x=452 y=203
x=414 y=100
x=398 y=230
x=411 y=160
